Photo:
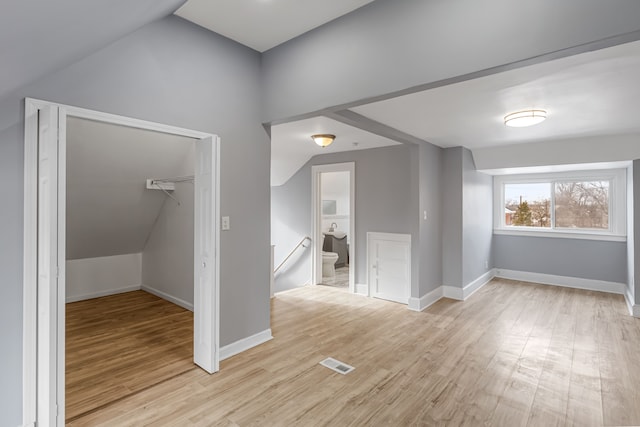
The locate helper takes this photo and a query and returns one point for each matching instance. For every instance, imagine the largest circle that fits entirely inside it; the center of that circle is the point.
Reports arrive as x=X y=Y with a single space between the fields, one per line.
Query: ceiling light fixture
x=323 y=139
x=525 y=118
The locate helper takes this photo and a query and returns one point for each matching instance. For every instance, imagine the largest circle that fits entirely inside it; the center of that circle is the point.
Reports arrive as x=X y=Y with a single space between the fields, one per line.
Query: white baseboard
x=362 y=289
x=245 y=344
x=566 y=281
x=105 y=293
x=629 y=300
x=472 y=287
x=177 y=301
x=420 y=304
x=452 y=292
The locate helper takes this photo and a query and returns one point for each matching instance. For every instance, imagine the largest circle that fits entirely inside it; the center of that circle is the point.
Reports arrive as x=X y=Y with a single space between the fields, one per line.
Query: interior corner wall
x=383 y=204
x=631 y=240
x=96 y=277
x=416 y=36
x=173 y=72
x=477 y=220
x=636 y=227
x=167 y=259
x=430 y=255
x=452 y=217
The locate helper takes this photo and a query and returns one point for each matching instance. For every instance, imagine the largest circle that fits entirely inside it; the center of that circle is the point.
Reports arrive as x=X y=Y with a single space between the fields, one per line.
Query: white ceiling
x=263 y=24
x=109 y=209
x=594 y=93
x=292 y=146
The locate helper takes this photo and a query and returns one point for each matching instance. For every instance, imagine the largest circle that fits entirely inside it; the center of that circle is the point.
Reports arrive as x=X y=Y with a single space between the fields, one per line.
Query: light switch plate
x=226 y=224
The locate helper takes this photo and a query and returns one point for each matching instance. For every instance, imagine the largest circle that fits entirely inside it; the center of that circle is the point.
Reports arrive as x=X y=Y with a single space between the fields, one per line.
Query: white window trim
x=617 y=205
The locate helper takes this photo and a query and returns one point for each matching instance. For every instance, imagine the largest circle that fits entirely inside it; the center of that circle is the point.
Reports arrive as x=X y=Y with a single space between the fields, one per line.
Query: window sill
x=561 y=235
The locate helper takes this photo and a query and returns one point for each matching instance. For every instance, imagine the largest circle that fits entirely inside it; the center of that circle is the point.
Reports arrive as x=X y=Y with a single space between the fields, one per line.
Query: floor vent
x=336 y=365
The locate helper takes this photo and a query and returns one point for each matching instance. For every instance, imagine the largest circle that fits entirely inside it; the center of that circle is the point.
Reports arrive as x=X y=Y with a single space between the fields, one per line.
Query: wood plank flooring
x=121 y=344
x=513 y=354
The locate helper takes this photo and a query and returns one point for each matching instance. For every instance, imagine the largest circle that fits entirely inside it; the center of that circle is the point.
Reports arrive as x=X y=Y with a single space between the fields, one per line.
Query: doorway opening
x=129 y=261
x=46 y=237
x=333 y=207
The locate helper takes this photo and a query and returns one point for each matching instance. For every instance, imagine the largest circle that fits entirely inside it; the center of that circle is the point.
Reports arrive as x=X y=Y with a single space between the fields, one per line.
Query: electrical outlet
x=486 y=264
x=226 y=224
x=425 y=215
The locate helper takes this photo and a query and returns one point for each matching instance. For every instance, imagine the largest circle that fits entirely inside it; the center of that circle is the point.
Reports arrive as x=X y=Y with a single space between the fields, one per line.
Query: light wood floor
x=121 y=344
x=511 y=355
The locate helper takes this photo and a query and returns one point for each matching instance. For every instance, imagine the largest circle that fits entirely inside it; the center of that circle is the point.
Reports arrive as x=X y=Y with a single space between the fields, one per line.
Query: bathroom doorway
x=334 y=226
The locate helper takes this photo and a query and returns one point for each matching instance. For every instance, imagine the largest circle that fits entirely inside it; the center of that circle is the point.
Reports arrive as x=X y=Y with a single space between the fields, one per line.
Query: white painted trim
x=31 y=315
x=121 y=120
x=244 y=344
x=474 y=286
x=104 y=293
x=629 y=300
x=29 y=271
x=559 y=235
x=422 y=303
x=165 y=296
x=566 y=281
x=362 y=289
x=316 y=221
x=453 y=292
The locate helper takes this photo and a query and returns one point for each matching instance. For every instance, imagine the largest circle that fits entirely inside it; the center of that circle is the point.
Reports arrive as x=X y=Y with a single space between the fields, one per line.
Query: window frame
x=617 y=204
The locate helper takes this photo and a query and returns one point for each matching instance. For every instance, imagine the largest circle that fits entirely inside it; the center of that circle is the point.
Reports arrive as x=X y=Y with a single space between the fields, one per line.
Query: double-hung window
x=589 y=204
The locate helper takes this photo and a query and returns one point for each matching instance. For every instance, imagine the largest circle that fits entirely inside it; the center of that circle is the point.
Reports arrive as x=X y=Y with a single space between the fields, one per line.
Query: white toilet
x=328 y=263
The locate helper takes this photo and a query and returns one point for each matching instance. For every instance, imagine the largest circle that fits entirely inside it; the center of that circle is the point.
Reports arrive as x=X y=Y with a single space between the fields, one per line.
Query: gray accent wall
x=452 y=217
x=430 y=188
x=477 y=220
x=636 y=226
x=383 y=181
x=467 y=219
x=586 y=259
x=430 y=41
x=172 y=72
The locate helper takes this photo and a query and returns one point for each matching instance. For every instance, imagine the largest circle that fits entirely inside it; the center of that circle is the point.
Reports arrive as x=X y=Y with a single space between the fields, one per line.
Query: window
x=587 y=204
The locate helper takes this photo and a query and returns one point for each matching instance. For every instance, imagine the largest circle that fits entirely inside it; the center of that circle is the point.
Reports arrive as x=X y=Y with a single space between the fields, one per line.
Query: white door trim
x=316 y=220
x=33 y=355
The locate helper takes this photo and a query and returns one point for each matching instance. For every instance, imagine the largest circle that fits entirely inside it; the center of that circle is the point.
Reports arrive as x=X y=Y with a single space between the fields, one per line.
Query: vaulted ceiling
x=109 y=209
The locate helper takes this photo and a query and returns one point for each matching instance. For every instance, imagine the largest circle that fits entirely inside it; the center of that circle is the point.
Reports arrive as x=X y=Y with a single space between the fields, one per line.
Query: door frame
x=316 y=220
x=44 y=366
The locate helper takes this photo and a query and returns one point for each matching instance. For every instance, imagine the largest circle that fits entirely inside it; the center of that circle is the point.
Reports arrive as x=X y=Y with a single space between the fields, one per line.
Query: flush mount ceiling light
x=323 y=140
x=525 y=118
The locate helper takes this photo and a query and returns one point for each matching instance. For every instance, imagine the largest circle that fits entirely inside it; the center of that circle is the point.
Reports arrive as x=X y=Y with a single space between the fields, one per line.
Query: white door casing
x=389 y=266
x=44 y=253
x=316 y=220
x=47 y=268
x=205 y=268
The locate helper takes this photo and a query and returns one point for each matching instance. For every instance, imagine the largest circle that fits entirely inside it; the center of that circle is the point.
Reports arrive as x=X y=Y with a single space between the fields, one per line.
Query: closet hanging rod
x=176 y=179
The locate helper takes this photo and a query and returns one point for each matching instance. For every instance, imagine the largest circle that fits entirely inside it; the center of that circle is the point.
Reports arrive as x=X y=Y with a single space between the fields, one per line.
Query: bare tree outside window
x=582 y=204
x=528 y=205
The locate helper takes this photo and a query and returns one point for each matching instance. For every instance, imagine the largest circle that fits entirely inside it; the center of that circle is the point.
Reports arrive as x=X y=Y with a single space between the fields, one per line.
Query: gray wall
x=477 y=220
x=452 y=217
x=586 y=259
x=167 y=259
x=170 y=72
x=636 y=226
x=631 y=240
x=430 y=188
x=428 y=40
x=467 y=204
x=383 y=203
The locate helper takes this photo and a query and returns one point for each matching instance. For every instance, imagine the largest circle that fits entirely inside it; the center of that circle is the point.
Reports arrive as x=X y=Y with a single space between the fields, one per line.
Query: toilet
x=328 y=263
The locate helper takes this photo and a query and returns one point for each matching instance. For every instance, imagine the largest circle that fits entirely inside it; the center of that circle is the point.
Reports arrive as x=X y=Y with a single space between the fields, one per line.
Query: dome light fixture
x=525 y=118
x=323 y=139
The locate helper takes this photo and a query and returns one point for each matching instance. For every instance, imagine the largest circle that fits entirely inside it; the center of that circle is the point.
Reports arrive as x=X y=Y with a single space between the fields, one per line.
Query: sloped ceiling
x=109 y=209
x=38 y=37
